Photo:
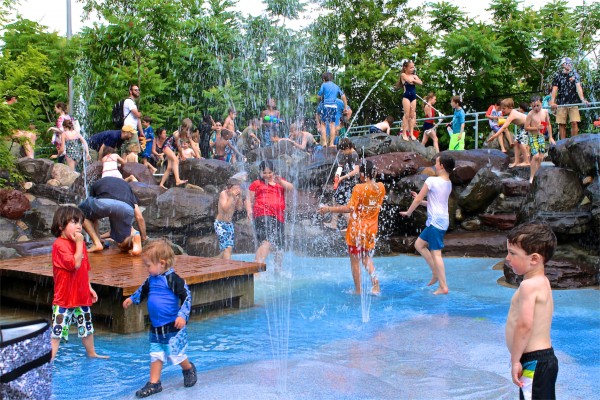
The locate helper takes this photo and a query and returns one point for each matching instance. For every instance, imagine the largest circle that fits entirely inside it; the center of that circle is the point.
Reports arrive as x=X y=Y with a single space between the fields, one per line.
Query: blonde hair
x=508 y=103
x=160 y=250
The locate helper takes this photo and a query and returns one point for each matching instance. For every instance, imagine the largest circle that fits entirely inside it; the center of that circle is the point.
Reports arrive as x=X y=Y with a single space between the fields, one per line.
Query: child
x=75 y=146
x=538 y=125
x=408 y=79
x=534 y=366
x=269 y=121
x=363 y=207
x=431 y=241
x=328 y=93
x=186 y=150
x=457 y=137
x=266 y=208
x=494 y=114
x=429 y=125
x=248 y=139
x=521 y=138
x=110 y=165
x=224 y=149
x=346 y=176
x=168 y=334
x=149 y=135
x=229 y=123
x=133 y=149
x=301 y=140
x=383 y=127
x=73 y=293
x=230 y=200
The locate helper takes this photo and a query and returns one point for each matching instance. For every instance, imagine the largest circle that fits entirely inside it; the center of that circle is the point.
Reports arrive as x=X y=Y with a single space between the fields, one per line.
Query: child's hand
x=277 y=179
x=460 y=136
x=127 y=302
x=77 y=237
x=516 y=373
x=322 y=210
x=94 y=295
x=413 y=194
x=179 y=323
x=404 y=214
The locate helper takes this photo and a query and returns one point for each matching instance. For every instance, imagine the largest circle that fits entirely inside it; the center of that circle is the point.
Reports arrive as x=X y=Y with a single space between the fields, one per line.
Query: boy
x=230 y=200
x=187 y=152
x=538 y=125
x=149 y=135
x=328 y=94
x=224 y=149
x=431 y=241
x=133 y=150
x=383 y=127
x=534 y=366
x=494 y=114
x=73 y=293
x=521 y=140
x=168 y=334
x=363 y=207
x=346 y=177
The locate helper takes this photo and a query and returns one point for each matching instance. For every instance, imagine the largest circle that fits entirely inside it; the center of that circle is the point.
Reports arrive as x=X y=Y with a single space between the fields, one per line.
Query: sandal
x=149 y=389
x=189 y=376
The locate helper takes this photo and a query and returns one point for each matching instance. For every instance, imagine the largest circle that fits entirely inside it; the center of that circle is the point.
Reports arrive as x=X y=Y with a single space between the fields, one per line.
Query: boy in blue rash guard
x=168 y=335
x=457 y=138
x=328 y=93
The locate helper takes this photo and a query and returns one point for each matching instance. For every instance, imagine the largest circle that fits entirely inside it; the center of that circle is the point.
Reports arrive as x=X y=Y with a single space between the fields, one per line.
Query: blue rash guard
x=164 y=293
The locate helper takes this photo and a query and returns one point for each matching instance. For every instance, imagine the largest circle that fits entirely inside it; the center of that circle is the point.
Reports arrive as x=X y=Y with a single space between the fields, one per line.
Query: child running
x=230 y=200
x=408 y=79
x=73 y=293
x=534 y=367
x=457 y=137
x=165 y=290
x=430 y=243
x=363 y=207
x=538 y=125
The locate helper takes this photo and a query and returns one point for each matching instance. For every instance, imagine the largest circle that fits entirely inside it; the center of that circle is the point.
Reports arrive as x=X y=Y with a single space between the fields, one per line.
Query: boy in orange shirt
x=364 y=206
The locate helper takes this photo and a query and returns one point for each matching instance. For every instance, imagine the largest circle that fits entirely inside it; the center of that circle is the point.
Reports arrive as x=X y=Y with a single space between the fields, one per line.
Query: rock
x=8 y=231
x=391 y=166
x=315 y=175
x=580 y=153
x=63 y=174
x=506 y=205
x=566 y=222
x=202 y=172
x=276 y=150
x=482 y=158
x=471 y=224
x=53 y=182
x=140 y=171
x=244 y=237
x=146 y=194
x=373 y=144
x=515 y=186
x=27 y=185
x=464 y=171
x=13 y=204
x=59 y=194
x=203 y=246
x=482 y=190
x=38 y=170
x=475 y=244
x=7 y=253
x=502 y=222
x=93 y=172
x=33 y=247
x=39 y=217
x=556 y=189
x=399 y=145
x=313 y=240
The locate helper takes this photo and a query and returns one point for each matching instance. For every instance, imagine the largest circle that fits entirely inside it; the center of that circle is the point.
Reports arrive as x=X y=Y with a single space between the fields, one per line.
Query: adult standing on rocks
x=566 y=89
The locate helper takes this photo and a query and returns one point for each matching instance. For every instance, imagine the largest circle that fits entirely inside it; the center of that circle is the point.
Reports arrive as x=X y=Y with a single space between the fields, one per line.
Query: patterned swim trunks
x=225 y=234
x=62 y=318
x=522 y=137
x=537 y=144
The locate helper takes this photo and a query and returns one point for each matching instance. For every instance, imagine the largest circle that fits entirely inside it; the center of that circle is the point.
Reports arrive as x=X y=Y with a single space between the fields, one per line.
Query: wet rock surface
x=13 y=204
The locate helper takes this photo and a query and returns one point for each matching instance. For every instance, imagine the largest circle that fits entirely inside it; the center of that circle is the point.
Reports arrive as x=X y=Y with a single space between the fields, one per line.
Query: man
x=112 y=138
x=113 y=198
x=133 y=117
x=566 y=89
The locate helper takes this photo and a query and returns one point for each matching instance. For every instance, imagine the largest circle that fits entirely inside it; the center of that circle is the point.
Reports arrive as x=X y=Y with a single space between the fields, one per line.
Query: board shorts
x=63 y=318
x=225 y=233
x=522 y=137
x=537 y=144
x=328 y=113
x=434 y=237
x=540 y=369
x=359 y=251
x=168 y=342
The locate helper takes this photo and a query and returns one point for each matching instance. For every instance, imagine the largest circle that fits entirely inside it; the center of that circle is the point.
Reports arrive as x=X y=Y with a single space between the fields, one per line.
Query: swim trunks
x=537 y=144
x=168 y=342
x=522 y=137
x=62 y=318
x=540 y=369
x=270 y=229
x=225 y=233
x=374 y=129
x=434 y=237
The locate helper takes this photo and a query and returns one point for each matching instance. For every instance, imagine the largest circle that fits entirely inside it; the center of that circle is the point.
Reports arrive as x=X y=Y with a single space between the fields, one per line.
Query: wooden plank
x=113 y=268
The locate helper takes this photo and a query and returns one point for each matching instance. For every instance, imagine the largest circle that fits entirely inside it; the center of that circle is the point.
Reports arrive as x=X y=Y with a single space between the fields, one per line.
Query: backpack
x=117 y=114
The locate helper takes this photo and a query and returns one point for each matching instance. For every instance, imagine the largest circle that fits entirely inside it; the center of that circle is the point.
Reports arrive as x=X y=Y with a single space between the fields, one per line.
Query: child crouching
x=165 y=291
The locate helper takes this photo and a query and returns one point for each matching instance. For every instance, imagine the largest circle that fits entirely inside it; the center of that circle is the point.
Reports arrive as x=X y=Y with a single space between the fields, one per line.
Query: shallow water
x=415 y=345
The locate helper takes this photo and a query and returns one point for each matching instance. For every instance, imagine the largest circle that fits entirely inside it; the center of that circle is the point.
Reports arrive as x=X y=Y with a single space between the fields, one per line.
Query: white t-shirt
x=130 y=119
x=437 y=202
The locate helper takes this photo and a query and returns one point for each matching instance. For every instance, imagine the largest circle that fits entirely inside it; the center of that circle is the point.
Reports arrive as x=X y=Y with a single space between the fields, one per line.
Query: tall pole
x=69 y=34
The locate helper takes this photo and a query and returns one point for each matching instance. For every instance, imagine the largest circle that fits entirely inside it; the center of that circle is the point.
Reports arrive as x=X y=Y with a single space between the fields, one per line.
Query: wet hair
x=457 y=100
x=327 y=76
x=226 y=132
x=535 y=98
x=61 y=106
x=232 y=110
x=447 y=162
x=524 y=106
x=534 y=237
x=345 y=144
x=107 y=150
x=390 y=119
x=147 y=119
x=9 y=97
x=265 y=164
x=367 y=168
x=134 y=147
x=62 y=217
x=159 y=250
x=68 y=124
x=508 y=103
x=231 y=182
x=186 y=128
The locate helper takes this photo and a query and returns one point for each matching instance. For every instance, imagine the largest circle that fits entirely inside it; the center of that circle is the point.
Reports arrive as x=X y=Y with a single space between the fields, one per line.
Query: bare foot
x=136 y=249
x=404 y=137
x=512 y=165
x=163 y=186
x=432 y=281
x=375 y=292
x=180 y=183
x=523 y=164
x=503 y=150
x=95 y=247
x=97 y=356
x=441 y=291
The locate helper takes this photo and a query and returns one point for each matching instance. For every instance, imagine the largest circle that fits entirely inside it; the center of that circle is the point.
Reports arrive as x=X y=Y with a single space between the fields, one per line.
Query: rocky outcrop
x=580 y=153
x=13 y=204
x=36 y=170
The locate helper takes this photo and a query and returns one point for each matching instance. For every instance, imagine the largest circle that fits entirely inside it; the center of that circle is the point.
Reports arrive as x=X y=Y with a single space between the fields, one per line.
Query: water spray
x=365 y=99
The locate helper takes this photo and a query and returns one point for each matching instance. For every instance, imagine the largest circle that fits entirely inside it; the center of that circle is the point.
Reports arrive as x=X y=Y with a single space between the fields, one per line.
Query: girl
x=429 y=130
x=74 y=145
x=157 y=146
x=171 y=146
x=408 y=79
x=266 y=207
x=110 y=165
x=457 y=137
x=61 y=109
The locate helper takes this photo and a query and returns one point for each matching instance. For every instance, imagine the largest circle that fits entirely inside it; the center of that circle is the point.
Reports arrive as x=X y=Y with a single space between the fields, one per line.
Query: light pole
x=69 y=34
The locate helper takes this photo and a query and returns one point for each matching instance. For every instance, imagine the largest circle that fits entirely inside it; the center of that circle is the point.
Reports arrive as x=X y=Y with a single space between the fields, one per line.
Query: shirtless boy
x=230 y=200
x=521 y=140
x=534 y=366
x=538 y=125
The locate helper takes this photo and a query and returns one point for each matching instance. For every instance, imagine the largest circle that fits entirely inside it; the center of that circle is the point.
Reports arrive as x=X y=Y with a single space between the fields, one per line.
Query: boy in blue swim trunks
x=165 y=291
x=431 y=241
x=230 y=200
x=328 y=93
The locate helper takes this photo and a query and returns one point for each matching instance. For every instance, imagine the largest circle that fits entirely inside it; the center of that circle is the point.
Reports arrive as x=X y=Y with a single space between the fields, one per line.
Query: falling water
x=365 y=99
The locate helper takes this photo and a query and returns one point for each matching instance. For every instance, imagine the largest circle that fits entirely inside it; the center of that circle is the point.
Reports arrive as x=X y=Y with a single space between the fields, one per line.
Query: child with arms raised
x=73 y=293
x=165 y=290
x=230 y=200
x=534 y=366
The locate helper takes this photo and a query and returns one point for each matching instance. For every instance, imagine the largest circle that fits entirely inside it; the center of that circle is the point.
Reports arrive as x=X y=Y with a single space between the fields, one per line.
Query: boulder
x=8 y=231
x=464 y=171
x=63 y=174
x=506 y=205
x=140 y=171
x=556 y=189
x=580 y=153
x=146 y=194
x=58 y=194
x=566 y=222
x=33 y=247
x=39 y=217
x=502 y=222
x=482 y=158
x=515 y=186
x=202 y=172
x=8 y=253
x=475 y=244
x=36 y=170
x=482 y=190
x=399 y=145
x=93 y=172
x=373 y=144
x=203 y=246
x=471 y=224
x=391 y=166
x=13 y=204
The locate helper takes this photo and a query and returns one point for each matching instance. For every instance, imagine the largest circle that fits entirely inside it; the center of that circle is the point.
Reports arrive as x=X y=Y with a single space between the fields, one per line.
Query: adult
x=25 y=138
x=113 y=198
x=566 y=89
x=133 y=117
x=112 y=138
x=205 y=129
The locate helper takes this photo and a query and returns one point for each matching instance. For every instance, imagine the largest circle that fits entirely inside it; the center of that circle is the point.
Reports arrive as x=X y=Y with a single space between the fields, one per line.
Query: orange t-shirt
x=366 y=202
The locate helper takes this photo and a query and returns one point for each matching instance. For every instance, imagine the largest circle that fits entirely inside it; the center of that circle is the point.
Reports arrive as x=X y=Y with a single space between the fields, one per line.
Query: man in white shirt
x=133 y=117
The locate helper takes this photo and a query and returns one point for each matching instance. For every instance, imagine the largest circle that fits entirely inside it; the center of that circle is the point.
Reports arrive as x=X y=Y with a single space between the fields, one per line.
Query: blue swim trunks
x=168 y=342
x=328 y=113
x=434 y=237
x=225 y=234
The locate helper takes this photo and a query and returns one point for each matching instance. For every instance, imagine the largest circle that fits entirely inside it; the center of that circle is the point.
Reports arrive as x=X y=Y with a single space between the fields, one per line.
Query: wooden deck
x=115 y=275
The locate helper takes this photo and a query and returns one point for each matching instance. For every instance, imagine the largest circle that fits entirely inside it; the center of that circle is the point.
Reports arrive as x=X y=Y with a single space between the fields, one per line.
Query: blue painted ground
x=415 y=345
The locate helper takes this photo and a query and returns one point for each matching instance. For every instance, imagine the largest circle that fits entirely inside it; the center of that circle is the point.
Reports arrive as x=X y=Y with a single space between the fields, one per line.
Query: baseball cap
x=567 y=60
x=128 y=128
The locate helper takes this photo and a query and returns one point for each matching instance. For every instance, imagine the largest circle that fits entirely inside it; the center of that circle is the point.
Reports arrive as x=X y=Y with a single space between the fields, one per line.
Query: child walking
x=457 y=138
x=165 y=290
x=431 y=241
x=230 y=200
x=73 y=293
x=534 y=367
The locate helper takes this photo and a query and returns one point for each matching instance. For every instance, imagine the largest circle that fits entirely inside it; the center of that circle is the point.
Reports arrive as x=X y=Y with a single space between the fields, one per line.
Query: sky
x=52 y=13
